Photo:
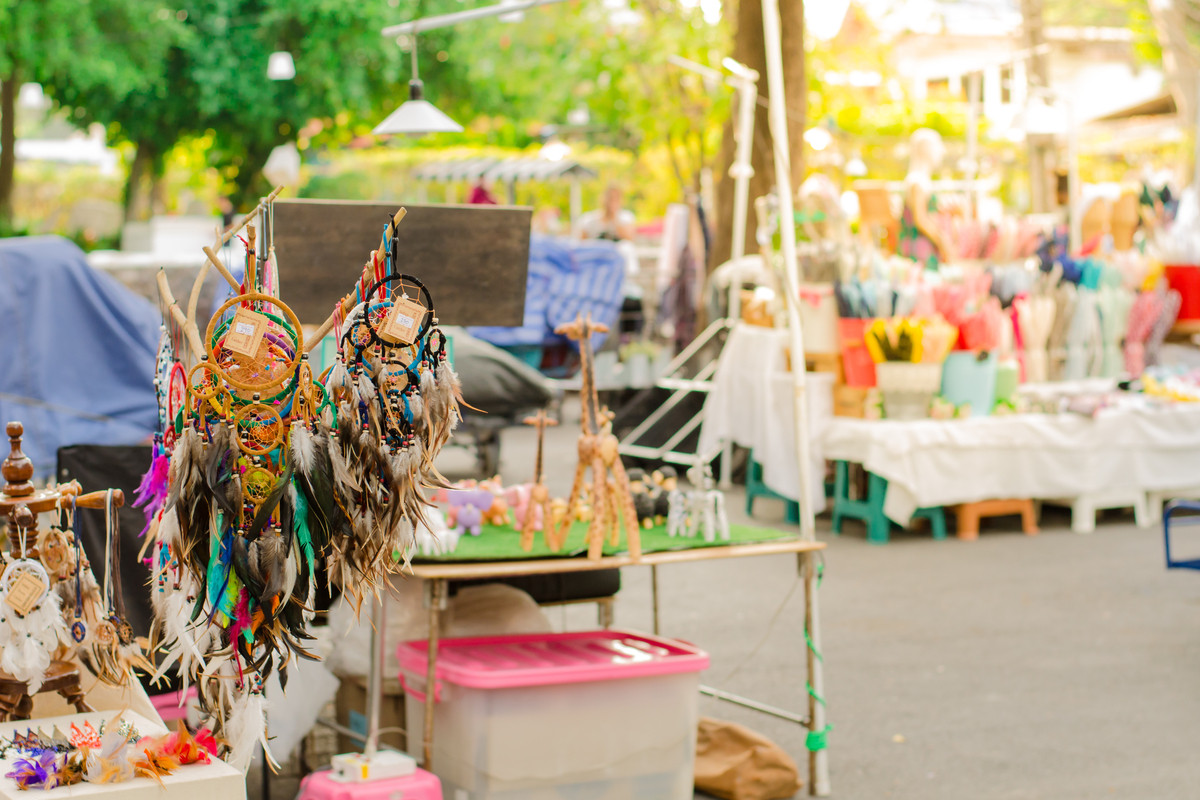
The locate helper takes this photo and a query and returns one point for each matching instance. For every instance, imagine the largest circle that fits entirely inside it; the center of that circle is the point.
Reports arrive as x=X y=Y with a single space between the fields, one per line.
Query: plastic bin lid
x=505 y=662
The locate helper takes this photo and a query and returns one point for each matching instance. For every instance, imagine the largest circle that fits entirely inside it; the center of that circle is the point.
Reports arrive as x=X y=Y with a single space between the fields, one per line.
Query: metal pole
x=1074 y=193
x=576 y=204
x=654 y=596
x=436 y=592
x=375 y=677
x=974 y=87
x=445 y=20
x=777 y=114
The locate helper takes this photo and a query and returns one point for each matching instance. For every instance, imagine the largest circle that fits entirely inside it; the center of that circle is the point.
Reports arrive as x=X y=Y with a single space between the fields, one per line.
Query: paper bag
x=735 y=763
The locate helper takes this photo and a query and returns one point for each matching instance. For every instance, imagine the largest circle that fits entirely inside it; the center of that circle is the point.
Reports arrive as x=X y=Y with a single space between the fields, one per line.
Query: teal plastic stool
x=755 y=488
x=870 y=510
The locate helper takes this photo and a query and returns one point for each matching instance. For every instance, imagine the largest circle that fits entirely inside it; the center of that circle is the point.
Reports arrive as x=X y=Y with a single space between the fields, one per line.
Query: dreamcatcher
x=31 y=623
x=241 y=528
x=398 y=403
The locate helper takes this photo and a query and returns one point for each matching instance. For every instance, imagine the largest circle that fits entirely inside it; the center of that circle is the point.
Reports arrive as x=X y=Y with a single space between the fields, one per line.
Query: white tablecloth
x=1139 y=445
x=751 y=405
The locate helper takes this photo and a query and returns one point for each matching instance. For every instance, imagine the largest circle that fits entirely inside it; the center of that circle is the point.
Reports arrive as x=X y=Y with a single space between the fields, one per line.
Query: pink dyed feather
x=152 y=491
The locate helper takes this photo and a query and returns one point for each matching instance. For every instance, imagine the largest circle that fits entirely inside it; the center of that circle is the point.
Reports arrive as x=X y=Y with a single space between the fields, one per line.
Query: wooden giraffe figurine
x=611 y=499
x=539 y=495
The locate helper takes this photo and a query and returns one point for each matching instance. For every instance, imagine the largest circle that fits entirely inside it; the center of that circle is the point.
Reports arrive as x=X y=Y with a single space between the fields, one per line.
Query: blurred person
x=548 y=221
x=921 y=239
x=481 y=195
x=612 y=221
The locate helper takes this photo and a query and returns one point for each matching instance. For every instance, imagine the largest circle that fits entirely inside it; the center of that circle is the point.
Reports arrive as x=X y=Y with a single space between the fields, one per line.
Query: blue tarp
x=565 y=278
x=77 y=351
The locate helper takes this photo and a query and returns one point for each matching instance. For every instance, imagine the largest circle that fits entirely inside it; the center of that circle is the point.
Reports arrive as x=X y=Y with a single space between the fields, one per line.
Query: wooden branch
x=246 y=220
x=348 y=301
x=186 y=324
x=225 y=273
x=224 y=238
x=197 y=285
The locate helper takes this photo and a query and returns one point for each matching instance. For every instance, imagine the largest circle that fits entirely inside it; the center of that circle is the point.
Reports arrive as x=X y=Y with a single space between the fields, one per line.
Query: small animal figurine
x=435 y=537
x=560 y=509
x=705 y=506
x=677 y=513
x=555 y=533
x=517 y=498
x=665 y=478
x=469 y=505
x=643 y=504
x=662 y=507
x=497 y=513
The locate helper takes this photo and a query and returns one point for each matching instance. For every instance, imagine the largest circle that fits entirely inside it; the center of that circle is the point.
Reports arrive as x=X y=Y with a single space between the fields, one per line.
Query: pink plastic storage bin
x=169 y=705
x=418 y=786
x=598 y=715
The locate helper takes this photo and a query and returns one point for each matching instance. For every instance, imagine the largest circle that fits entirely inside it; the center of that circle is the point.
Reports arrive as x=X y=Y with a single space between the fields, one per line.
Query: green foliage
x=207 y=77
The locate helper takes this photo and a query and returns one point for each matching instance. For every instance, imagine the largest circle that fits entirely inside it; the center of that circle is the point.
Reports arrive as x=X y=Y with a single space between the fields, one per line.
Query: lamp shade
x=281 y=66
x=416 y=116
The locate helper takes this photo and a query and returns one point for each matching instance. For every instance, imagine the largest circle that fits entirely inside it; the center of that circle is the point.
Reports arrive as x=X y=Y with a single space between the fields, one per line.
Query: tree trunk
x=1179 y=61
x=1040 y=145
x=749 y=49
x=8 y=146
x=137 y=207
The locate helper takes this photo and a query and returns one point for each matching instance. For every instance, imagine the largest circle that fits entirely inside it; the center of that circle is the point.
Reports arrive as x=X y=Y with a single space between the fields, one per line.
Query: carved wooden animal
x=612 y=500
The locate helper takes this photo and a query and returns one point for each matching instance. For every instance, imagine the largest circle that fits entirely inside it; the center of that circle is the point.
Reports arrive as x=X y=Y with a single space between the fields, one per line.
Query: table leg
x=818 y=759
x=654 y=596
x=435 y=594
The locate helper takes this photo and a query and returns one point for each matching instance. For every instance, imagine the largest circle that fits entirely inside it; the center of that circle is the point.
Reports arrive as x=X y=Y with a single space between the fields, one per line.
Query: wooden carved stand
x=611 y=497
x=539 y=495
x=20 y=504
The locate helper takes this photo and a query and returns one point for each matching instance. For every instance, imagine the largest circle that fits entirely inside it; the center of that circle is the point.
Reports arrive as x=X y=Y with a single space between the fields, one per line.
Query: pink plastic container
x=419 y=786
x=598 y=714
x=169 y=705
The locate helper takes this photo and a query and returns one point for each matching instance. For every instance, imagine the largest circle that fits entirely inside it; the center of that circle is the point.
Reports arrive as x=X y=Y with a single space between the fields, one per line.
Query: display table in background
x=192 y=782
x=1126 y=451
x=751 y=405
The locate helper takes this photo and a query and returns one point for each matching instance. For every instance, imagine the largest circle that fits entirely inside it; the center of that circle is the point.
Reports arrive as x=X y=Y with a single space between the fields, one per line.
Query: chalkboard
x=473 y=259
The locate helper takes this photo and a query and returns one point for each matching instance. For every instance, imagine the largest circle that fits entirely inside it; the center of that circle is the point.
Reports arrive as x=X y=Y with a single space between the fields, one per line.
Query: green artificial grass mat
x=503 y=543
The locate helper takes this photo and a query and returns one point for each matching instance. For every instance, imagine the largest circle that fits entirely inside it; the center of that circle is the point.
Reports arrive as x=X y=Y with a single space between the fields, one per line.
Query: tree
x=749 y=49
x=102 y=42
x=211 y=78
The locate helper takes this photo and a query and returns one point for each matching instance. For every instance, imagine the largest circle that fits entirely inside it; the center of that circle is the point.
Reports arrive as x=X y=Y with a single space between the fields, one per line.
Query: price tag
x=25 y=592
x=246 y=332
x=404 y=321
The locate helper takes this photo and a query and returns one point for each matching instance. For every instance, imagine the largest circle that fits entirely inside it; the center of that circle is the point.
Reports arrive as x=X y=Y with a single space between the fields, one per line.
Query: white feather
x=304 y=449
x=246 y=729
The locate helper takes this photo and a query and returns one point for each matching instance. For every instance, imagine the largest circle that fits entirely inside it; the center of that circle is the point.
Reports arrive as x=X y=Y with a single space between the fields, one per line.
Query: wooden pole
x=211 y=252
x=818 y=760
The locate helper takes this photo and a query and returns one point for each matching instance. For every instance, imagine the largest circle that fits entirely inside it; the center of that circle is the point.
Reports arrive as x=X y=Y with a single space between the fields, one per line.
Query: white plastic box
x=604 y=715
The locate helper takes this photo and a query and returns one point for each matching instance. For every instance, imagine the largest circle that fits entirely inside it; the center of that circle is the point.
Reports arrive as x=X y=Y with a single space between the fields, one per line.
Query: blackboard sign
x=473 y=259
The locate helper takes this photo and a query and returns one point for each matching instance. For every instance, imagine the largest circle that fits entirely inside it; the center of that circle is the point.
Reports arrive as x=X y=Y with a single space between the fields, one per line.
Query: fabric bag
x=735 y=763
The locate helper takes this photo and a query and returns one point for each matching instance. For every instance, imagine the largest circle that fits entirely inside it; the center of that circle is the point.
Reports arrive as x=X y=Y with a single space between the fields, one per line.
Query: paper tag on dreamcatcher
x=25 y=592
x=246 y=332
x=404 y=321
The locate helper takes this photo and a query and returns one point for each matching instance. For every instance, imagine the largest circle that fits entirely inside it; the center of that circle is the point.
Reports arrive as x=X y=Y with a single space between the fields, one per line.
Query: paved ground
x=1055 y=667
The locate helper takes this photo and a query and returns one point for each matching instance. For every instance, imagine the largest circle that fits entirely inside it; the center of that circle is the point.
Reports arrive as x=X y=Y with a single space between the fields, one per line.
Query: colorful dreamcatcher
x=243 y=524
x=398 y=403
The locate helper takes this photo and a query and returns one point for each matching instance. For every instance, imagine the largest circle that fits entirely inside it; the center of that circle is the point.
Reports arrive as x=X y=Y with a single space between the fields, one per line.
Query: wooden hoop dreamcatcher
x=260 y=429
x=237 y=370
